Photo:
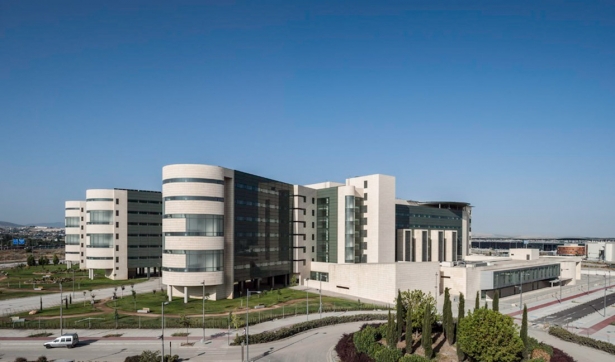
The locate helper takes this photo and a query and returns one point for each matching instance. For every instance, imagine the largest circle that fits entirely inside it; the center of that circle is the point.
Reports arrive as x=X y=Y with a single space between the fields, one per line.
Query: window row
x=258 y=204
x=100 y=217
x=270 y=263
x=193 y=179
x=257 y=235
x=72 y=239
x=256 y=188
x=145 y=223
x=71 y=222
x=136 y=201
x=195 y=198
x=100 y=240
x=144 y=213
x=257 y=219
x=98 y=199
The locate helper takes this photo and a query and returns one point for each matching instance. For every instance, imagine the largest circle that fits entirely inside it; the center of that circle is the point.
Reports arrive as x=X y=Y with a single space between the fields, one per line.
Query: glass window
x=72 y=239
x=71 y=222
x=100 y=241
x=100 y=217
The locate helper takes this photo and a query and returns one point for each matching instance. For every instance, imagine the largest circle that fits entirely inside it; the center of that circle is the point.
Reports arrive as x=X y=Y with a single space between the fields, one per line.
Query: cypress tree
x=447 y=317
x=462 y=305
x=409 y=330
x=486 y=305
x=444 y=314
x=460 y=315
x=426 y=334
x=524 y=331
x=391 y=329
x=496 y=301
x=400 y=316
x=477 y=303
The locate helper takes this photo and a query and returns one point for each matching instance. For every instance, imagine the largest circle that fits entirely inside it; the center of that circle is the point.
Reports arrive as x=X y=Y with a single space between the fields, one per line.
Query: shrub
x=347 y=352
x=42 y=359
x=561 y=333
x=20 y=359
x=539 y=354
x=286 y=332
x=561 y=356
x=387 y=355
x=132 y=359
x=486 y=335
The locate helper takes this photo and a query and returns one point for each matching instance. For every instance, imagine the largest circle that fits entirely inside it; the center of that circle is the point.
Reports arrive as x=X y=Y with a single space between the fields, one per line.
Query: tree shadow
x=438 y=347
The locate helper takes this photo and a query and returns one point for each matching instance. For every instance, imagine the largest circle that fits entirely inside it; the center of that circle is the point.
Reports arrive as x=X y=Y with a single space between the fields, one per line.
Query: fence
x=220 y=322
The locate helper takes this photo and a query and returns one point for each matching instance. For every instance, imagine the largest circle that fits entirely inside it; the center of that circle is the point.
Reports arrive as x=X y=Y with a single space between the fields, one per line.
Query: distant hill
x=49 y=224
x=7 y=224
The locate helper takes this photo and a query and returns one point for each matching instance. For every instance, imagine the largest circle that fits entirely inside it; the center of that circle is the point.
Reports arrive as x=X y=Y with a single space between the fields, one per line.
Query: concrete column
x=258 y=283
x=91 y=274
x=170 y=292
x=185 y=294
x=272 y=282
x=148 y=272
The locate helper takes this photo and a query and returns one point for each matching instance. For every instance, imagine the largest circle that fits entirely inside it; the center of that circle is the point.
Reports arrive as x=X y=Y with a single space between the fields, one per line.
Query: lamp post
x=162 y=335
x=604 y=295
x=61 y=300
x=203 y=311
x=248 y=324
x=73 y=281
x=307 y=309
x=320 y=306
x=520 y=290
x=436 y=292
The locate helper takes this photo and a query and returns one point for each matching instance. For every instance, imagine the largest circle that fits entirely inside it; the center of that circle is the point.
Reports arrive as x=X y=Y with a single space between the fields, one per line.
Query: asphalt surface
x=577 y=312
x=311 y=346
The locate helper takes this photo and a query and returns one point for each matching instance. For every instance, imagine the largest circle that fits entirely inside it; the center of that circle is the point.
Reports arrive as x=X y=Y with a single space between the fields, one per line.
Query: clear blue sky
x=507 y=105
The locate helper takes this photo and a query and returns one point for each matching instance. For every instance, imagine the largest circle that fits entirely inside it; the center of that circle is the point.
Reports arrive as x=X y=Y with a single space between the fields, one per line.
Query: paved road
x=311 y=346
x=577 y=312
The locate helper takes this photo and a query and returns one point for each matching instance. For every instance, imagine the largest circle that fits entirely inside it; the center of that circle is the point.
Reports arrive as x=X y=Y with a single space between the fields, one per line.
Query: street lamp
x=248 y=324
x=604 y=295
x=162 y=335
x=307 y=309
x=73 y=280
x=61 y=300
x=320 y=306
x=203 y=311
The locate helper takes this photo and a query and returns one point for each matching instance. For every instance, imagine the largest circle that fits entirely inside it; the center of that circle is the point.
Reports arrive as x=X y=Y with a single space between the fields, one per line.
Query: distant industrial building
x=571 y=250
x=116 y=230
x=601 y=251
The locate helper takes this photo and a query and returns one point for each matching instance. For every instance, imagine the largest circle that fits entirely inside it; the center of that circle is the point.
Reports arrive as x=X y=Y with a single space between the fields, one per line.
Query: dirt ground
x=20 y=255
x=444 y=352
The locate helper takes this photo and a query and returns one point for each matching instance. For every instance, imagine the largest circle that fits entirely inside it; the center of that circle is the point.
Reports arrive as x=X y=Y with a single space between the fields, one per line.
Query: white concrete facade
x=377 y=281
x=75 y=233
x=191 y=261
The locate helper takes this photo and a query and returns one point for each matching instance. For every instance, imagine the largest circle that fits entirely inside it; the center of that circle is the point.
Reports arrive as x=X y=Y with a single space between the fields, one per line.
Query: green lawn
x=22 y=281
x=75 y=308
x=288 y=297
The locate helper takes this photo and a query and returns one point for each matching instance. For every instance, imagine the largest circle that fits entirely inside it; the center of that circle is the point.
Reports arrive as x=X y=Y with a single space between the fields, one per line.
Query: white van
x=69 y=340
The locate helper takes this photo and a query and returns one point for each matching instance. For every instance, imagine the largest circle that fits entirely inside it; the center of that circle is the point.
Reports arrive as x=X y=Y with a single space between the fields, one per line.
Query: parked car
x=68 y=340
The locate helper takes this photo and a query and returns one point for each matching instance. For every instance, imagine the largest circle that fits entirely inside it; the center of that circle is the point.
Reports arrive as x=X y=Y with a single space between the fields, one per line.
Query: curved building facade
x=74 y=223
x=193 y=226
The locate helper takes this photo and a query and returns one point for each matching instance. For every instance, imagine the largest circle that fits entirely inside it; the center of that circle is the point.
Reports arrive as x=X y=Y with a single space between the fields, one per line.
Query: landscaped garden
x=25 y=280
x=416 y=334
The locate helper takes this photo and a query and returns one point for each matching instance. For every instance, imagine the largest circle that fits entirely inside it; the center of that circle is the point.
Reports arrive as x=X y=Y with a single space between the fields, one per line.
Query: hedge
x=563 y=334
x=286 y=332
